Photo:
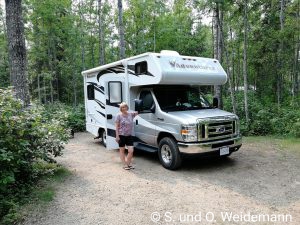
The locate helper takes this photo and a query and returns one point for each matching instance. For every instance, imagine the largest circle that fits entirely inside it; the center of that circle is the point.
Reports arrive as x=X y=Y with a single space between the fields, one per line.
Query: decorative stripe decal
x=102 y=114
x=100 y=103
x=97 y=87
x=121 y=69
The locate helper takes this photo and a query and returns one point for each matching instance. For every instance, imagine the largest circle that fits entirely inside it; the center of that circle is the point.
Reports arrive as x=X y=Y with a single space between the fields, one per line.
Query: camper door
x=115 y=95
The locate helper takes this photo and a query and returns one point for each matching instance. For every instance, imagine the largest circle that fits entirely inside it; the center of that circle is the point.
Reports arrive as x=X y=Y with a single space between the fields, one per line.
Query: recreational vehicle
x=175 y=118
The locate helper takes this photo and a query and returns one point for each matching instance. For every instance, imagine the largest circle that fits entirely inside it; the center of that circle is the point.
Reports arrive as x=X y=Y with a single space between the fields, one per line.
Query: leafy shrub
x=295 y=131
x=266 y=118
x=27 y=136
x=74 y=117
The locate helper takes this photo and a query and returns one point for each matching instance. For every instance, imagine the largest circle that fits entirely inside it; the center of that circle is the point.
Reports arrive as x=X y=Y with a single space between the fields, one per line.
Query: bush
x=295 y=131
x=265 y=117
x=74 y=117
x=27 y=136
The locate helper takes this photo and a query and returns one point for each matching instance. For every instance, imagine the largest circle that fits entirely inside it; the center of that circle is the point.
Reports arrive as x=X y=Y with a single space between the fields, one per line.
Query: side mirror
x=215 y=102
x=138 y=105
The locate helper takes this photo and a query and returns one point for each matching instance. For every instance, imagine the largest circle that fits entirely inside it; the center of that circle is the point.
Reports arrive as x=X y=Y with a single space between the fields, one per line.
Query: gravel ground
x=256 y=180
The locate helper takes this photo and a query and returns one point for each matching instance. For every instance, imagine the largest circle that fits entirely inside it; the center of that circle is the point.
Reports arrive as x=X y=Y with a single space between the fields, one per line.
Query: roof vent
x=168 y=52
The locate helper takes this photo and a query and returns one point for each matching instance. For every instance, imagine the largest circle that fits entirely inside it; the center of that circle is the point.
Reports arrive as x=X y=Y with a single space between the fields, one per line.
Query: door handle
x=136 y=122
x=161 y=119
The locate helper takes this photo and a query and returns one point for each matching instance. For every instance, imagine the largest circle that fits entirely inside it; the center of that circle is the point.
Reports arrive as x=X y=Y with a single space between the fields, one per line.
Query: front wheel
x=169 y=154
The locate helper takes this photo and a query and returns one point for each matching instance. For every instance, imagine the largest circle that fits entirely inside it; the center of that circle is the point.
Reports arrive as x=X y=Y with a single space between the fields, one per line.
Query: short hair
x=122 y=105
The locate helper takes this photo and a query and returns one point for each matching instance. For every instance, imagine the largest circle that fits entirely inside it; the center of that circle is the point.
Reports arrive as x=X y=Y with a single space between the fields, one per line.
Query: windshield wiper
x=172 y=108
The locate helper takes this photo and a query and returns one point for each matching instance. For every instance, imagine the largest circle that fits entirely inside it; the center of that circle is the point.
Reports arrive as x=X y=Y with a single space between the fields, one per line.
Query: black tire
x=103 y=138
x=168 y=153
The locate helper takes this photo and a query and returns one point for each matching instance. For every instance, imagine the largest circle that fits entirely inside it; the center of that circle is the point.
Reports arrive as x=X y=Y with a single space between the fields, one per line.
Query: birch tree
x=217 y=27
x=280 y=58
x=121 y=30
x=101 y=34
x=245 y=61
x=17 y=50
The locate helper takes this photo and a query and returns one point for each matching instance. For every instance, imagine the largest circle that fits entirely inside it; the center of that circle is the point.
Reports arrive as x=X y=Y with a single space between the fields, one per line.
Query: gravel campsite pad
x=257 y=180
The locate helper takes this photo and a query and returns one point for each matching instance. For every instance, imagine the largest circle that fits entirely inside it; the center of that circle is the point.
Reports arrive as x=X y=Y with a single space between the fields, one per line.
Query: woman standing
x=124 y=129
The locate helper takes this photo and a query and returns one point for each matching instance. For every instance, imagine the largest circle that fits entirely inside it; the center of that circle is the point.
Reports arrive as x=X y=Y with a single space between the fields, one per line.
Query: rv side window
x=141 y=67
x=115 y=91
x=90 y=92
x=147 y=98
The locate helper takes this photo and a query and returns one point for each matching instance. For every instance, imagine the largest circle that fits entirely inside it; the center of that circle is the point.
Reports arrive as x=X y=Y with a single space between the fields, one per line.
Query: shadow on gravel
x=262 y=174
x=267 y=178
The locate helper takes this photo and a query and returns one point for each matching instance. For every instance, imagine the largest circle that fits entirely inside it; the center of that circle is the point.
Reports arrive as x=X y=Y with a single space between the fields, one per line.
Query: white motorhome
x=174 y=116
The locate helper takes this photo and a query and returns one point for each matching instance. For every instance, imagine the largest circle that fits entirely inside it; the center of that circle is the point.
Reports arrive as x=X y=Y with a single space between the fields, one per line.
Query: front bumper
x=195 y=148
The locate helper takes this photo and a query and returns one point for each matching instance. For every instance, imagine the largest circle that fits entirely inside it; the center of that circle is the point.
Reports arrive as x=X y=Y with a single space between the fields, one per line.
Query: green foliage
x=4 y=70
x=265 y=116
x=28 y=198
x=74 y=116
x=76 y=119
x=27 y=136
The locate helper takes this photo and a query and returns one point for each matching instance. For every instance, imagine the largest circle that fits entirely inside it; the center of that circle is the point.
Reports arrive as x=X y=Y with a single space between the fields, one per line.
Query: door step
x=144 y=147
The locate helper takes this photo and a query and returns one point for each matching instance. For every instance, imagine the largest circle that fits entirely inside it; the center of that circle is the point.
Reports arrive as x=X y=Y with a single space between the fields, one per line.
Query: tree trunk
x=280 y=57
x=45 y=89
x=121 y=30
x=82 y=37
x=229 y=73
x=17 y=50
x=245 y=62
x=39 y=87
x=91 y=36
x=50 y=65
x=217 y=27
x=74 y=77
x=101 y=35
x=297 y=62
x=233 y=74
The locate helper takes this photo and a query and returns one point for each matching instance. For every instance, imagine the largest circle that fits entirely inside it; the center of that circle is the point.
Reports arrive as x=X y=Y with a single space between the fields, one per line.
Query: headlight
x=189 y=132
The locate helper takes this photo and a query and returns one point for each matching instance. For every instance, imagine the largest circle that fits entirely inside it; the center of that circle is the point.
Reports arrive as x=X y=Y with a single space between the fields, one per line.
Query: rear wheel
x=169 y=154
x=103 y=137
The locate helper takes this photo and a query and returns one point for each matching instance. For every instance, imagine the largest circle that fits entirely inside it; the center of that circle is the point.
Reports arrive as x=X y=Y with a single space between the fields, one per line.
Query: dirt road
x=256 y=182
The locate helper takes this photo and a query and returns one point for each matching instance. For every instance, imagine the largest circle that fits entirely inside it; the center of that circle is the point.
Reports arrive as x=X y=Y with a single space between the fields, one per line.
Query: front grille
x=214 y=130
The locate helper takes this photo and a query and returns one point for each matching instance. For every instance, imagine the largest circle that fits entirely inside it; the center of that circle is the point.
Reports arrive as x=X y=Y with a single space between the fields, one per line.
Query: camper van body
x=158 y=79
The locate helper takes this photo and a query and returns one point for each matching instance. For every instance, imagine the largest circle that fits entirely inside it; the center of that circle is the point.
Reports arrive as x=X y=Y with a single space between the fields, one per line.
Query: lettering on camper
x=192 y=66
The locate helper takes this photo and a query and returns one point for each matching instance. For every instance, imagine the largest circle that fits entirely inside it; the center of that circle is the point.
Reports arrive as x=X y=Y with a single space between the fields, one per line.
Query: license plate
x=224 y=151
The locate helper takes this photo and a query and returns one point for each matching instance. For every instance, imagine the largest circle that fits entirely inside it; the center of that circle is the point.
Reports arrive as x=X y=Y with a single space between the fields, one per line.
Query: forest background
x=256 y=41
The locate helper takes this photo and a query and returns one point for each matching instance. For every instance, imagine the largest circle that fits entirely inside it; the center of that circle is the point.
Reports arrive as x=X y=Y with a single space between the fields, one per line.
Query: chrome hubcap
x=166 y=154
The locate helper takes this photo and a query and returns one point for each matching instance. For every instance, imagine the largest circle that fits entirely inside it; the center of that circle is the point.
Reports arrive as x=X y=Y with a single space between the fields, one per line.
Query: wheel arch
x=100 y=131
x=163 y=134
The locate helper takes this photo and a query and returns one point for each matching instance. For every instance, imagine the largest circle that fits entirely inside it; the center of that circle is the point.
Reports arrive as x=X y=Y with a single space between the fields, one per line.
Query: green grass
x=40 y=194
x=44 y=191
x=46 y=194
x=288 y=144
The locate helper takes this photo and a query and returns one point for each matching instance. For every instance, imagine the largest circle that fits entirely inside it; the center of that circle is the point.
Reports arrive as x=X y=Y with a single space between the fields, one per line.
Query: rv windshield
x=180 y=98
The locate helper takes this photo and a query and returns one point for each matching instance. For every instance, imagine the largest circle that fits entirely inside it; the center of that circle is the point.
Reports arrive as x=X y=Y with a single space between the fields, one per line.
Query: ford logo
x=220 y=129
